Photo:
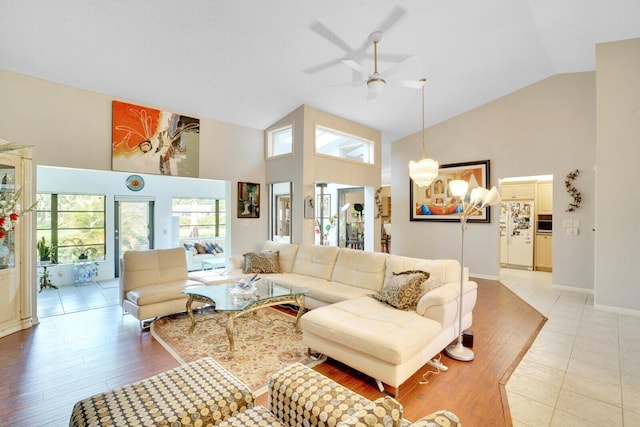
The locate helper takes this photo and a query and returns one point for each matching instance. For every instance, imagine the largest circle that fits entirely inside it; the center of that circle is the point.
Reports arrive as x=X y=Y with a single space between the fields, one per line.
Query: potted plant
x=44 y=250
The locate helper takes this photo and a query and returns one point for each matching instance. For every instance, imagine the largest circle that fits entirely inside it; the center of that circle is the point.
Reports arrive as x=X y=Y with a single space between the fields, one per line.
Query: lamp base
x=459 y=352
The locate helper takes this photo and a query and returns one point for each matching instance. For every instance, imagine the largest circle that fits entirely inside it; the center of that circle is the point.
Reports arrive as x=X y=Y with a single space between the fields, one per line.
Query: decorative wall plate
x=135 y=183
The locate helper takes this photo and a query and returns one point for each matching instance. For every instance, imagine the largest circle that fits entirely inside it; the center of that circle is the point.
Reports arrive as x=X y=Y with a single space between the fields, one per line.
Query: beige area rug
x=265 y=341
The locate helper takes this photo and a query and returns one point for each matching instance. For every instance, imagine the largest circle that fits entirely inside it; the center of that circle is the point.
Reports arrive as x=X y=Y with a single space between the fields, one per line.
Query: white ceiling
x=244 y=61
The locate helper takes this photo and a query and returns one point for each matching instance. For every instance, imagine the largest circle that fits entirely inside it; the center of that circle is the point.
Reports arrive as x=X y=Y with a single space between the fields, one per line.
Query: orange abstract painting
x=147 y=140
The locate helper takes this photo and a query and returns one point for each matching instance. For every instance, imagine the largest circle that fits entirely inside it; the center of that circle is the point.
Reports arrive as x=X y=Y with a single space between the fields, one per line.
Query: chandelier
x=426 y=170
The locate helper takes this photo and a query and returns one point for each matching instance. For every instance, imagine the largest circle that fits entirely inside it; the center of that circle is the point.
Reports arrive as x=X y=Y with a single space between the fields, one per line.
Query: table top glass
x=226 y=300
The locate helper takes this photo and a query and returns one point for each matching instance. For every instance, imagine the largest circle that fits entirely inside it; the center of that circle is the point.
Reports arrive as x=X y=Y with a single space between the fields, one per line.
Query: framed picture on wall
x=436 y=203
x=323 y=206
x=248 y=200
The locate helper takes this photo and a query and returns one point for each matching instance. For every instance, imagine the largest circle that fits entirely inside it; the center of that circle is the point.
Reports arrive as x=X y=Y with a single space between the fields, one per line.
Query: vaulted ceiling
x=251 y=62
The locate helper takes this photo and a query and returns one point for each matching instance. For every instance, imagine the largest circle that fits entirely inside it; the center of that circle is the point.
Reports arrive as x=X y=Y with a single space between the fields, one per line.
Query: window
x=74 y=224
x=280 y=141
x=333 y=143
x=200 y=218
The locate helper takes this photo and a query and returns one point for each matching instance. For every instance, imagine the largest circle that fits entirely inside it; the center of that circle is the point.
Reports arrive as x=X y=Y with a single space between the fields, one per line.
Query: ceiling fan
x=375 y=81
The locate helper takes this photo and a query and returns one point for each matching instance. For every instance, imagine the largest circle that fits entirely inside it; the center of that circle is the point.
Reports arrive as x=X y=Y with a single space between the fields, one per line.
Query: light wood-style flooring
x=45 y=370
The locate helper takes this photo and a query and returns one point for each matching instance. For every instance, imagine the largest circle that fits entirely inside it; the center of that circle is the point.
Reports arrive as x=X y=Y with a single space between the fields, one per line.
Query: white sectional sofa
x=347 y=324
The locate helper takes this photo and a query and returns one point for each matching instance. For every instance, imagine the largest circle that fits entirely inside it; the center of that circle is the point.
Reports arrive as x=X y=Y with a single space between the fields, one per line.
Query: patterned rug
x=265 y=341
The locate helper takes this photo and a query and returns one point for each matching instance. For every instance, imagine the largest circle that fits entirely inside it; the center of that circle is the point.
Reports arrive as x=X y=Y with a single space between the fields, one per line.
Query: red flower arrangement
x=8 y=211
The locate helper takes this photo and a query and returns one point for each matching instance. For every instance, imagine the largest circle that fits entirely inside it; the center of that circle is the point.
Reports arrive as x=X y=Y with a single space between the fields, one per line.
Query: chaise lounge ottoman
x=198 y=393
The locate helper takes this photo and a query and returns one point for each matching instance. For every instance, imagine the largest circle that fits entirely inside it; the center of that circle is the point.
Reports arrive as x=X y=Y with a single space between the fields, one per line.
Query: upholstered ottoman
x=199 y=393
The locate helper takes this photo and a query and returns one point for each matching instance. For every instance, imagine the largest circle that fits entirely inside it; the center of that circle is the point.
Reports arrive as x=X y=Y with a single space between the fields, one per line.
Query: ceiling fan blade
x=321 y=67
x=332 y=37
x=391 y=19
x=355 y=66
x=413 y=84
x=394 y=68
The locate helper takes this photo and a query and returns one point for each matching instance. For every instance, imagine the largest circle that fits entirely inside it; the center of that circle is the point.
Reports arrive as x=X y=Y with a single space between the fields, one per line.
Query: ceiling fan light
x=423 y=172
x=376 y=85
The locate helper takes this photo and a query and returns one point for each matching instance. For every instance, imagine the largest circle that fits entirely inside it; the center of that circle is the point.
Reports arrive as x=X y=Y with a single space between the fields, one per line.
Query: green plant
x=44 y=250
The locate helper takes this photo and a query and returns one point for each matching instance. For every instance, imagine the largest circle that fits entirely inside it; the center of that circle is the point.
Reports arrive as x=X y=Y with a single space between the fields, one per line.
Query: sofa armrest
x=298 y=389
x=441 y=303
x=438 y=418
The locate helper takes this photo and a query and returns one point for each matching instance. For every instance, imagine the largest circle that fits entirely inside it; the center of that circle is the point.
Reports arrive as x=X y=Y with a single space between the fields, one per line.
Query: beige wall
x=70 y=127
x=545 y=128
x=305 y=168
x=618 y=149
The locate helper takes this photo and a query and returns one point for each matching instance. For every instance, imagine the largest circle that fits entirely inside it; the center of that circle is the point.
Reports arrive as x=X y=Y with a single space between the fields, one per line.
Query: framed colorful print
x=436 y=203
x=248 y=200
x=146 y=140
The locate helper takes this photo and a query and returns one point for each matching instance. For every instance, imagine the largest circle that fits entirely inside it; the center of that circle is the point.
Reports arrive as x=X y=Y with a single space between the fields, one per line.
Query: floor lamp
x=480 y=199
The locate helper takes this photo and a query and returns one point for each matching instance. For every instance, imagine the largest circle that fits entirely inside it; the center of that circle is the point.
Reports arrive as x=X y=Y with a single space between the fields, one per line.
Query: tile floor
x=72 y=298
x=583 y=368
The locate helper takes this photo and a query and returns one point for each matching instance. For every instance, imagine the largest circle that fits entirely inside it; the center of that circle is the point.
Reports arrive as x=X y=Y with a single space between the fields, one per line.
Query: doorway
x=133 y=227
x=526 y=214
x=351 y=230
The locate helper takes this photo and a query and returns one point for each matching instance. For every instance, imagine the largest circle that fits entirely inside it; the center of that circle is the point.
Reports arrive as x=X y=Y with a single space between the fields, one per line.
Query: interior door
x=133 y=227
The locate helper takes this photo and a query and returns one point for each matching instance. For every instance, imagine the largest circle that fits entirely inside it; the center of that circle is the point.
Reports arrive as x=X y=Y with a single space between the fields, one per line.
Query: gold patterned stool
x=200 y=393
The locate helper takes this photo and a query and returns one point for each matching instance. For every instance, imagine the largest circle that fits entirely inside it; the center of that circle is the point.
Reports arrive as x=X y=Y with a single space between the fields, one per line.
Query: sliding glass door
x=133 y=227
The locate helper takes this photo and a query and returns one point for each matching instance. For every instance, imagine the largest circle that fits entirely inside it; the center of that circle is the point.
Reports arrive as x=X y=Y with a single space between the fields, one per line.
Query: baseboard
x=484 y=276
x=617 y=310
x=572 y=289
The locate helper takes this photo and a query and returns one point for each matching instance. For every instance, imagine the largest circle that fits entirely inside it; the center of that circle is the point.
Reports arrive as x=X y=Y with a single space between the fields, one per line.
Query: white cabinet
x=544 y=201
x=518 y=191
x=544 y=252
x=16 y=278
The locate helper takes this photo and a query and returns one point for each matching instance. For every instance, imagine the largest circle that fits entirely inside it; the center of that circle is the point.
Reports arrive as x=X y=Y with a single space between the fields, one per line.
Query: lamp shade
x=423 y=172
x=458 y=187
x=492 y=197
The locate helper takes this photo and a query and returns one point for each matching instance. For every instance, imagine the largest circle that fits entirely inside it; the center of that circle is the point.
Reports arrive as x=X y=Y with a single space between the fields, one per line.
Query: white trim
x=572 y=289
x=618 y=310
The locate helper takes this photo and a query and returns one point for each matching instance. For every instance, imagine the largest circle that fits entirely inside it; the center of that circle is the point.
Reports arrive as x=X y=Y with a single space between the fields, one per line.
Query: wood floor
x=45 y=370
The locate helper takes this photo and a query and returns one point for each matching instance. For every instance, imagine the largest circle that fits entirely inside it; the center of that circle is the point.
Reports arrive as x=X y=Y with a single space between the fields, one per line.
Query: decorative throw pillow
x=210 y=249
x=430 y=284
x=262 y=262
x=218 y=248
x=200 y=248
x=404 y=289
x=385 y=411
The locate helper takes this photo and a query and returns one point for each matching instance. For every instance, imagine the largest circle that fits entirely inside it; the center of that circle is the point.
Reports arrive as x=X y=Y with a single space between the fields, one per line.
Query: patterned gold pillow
x=262 y=262
x=404 y=289
x=383 y=412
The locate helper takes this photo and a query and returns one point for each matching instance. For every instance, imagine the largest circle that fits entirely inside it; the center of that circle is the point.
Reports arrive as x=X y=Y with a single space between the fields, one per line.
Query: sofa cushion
x=362 y=269
x=200 y=248
x=261 y=262
x=160 y=292
x=372 y=327
x=447 y=270
x=149 y=267
x=287 y=252
x=404 y=289
x=316 y=261
x=385 y=411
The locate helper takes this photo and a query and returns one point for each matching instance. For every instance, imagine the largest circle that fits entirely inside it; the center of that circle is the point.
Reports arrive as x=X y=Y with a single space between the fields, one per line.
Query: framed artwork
x=248 y=200
x=323 y=206
x=436 y=203
x=146 y=140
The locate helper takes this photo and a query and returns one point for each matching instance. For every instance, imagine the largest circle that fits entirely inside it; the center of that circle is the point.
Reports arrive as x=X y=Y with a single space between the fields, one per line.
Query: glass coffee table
x=228 y=298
